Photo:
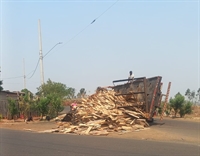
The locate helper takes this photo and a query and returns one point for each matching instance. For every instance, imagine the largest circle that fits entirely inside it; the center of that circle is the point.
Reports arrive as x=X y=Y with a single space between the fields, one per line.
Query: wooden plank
x=132 y=121
x=97 y=115
x=127 y=128
x=99 y=111
x=103 y=132
x=133 y=115
x=88 y=130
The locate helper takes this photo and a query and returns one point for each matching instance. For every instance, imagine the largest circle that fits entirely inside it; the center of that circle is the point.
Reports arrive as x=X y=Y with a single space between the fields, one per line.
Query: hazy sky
x=151 y=38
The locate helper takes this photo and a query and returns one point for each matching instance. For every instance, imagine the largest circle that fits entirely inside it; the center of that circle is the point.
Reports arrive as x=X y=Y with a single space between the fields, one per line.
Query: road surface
x=21 y=143
x=178 y=126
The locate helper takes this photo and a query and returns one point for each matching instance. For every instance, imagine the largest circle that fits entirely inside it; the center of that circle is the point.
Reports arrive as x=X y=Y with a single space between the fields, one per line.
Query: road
x=178 y=126
x=20 y=143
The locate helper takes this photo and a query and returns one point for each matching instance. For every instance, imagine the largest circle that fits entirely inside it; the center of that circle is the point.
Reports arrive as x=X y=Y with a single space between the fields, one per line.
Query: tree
x=42 y=106
x=12 y=107
x=51 y=87
x=167 y=110
x=1 y=88
x=177 y=102
x=55 y=93
x=27 y=94
x=56 y=105
x=198 y=94
x=23 y=107
x=186 y=109
x=81 y=93
x=192 y=95
x=188 y=94
x=71 y=93
x=26 y=103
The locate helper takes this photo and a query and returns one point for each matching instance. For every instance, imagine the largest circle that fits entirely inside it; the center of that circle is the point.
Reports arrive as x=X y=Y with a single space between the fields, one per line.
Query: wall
x=4 y=95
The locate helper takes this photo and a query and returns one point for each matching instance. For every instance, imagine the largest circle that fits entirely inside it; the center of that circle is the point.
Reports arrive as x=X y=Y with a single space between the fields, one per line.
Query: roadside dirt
x=34 y=126
x=150 y=133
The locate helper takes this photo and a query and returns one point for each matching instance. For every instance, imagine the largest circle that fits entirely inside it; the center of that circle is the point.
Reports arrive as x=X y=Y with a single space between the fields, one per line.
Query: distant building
x=4 y=96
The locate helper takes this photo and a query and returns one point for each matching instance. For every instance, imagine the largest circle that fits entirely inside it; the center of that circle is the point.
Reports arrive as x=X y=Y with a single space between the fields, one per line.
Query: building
x=4 y=96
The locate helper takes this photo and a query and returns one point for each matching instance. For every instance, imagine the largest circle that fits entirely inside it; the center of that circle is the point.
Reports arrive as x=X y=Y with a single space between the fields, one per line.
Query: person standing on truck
x=131 y=77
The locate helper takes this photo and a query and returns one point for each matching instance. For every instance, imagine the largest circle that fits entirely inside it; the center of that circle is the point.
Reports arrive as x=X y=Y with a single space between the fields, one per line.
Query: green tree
x=1 y=88
x=42 y=106
x=55 y=93
x=12 y=107
x=186 y=109
x=192 y=96
x=188 y=94
x=198 y=94
x=56 y=105
x=51 y=87
x=23 y=107
x=177 y=102
x=81 y=93
x=71 y=93
x=26 y=103
x=28 y=95
x=167 y=110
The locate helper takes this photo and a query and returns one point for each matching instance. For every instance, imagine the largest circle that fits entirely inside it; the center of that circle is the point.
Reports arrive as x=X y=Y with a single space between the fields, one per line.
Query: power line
x=18 y=76
x=30 y=73
x=52 y=49
x=67 y=41
x=43 y=57
x=88 y=25
x=106 y=10
x=35 y=69
x=15 y=77
x=12 y=77
x=76 y=35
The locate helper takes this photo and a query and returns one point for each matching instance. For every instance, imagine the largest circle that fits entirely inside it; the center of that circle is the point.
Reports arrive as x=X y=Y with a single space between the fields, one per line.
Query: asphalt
x=20 y=143
x=178 y=126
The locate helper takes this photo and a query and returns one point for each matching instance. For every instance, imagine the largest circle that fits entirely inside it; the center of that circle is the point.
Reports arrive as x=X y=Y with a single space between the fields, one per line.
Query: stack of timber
x=104 y=112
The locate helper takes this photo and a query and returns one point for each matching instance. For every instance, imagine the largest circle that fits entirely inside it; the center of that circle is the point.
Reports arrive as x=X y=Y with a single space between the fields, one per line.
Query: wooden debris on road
x=103 y=112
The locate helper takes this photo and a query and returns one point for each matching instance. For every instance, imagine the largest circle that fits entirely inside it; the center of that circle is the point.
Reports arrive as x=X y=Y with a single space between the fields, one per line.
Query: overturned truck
x=122 y=107
x=138 y=99
x=144 y=93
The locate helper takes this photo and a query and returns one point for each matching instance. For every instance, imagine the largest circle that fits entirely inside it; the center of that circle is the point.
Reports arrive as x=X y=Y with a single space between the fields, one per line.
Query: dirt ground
x=34 y=126
x=143 y=134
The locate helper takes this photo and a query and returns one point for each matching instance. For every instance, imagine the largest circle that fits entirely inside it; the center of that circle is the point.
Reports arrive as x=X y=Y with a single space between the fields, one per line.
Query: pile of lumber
x=104 y=112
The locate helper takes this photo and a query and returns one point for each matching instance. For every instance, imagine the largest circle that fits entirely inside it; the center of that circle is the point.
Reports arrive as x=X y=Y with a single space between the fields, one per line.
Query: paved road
x=20 y=143
x=178 y=126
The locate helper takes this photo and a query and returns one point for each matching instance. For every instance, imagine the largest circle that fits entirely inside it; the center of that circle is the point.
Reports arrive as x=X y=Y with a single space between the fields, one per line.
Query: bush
x=12 y=107
x=186 y=109
x=167 y=109
x=177 y=103
x=1 y=117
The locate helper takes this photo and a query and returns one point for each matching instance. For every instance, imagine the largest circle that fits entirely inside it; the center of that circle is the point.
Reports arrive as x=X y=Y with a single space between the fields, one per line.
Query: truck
x=146 y=94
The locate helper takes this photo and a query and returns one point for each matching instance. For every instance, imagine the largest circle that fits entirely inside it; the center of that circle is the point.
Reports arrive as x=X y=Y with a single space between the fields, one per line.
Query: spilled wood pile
x=104 y=112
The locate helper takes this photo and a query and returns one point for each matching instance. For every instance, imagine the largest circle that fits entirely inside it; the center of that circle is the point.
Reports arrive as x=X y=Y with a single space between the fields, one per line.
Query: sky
x=151 y=38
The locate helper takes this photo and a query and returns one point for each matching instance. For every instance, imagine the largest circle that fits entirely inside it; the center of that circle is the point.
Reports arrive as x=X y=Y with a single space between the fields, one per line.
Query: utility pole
x=24 y=75
x=41 y=55
x=0 y=73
